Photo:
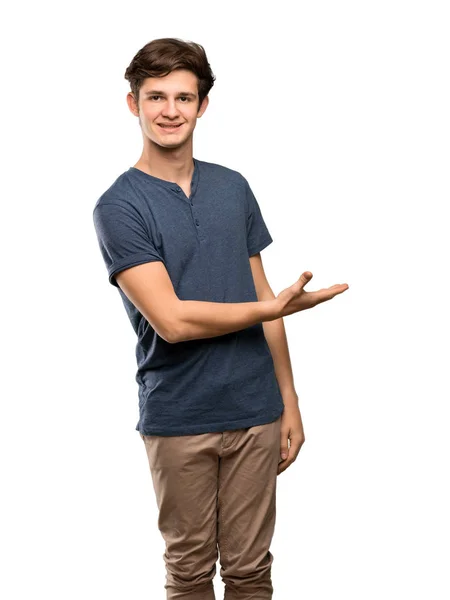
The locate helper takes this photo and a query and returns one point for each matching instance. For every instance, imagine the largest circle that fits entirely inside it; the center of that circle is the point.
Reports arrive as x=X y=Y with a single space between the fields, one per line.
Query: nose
x=170 y=109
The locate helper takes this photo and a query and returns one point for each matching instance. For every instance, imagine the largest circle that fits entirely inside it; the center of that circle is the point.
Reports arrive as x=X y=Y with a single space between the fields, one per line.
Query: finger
x=283 y=466
x=294 y=451
x=284 y=449
x=304 y=278
x=328 y=293
x=341 y=287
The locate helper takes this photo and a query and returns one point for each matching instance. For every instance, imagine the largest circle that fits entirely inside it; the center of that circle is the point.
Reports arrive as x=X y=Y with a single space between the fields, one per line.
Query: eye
x=181 y=97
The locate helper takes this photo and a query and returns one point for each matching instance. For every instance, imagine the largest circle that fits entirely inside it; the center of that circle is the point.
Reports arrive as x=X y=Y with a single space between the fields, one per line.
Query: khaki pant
x=216 y=494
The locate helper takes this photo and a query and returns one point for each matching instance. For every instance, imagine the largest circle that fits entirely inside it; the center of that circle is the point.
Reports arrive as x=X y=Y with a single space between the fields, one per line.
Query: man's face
x=169 y=100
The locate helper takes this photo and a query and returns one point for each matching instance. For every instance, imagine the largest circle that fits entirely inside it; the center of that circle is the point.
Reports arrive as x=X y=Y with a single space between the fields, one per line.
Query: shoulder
x=220 y=173
x=121 y=193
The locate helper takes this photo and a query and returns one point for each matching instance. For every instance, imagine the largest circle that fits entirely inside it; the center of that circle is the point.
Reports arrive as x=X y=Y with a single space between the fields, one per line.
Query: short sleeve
x=258 y=236
x=123 y=238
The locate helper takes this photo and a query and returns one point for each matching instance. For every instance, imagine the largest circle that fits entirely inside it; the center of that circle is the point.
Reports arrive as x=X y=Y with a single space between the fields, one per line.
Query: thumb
x=305 y=277
x=284 y=446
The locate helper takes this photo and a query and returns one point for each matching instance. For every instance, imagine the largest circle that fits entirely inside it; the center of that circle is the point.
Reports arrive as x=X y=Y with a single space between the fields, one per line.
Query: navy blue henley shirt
x=204 y=385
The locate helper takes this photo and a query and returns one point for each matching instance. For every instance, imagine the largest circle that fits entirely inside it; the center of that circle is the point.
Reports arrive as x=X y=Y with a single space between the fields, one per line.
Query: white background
x=338 y=115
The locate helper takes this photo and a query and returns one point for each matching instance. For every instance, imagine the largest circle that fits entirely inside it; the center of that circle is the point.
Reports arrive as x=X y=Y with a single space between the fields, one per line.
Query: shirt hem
x=215 y=427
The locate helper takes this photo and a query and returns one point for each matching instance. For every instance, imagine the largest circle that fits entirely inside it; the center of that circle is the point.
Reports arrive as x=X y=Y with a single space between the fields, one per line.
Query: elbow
x=174 y=335
x=171 y=336
x=174 y=332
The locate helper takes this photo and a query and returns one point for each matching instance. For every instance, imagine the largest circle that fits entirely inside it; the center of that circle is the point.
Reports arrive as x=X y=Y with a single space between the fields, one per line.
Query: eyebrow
x=161 y=93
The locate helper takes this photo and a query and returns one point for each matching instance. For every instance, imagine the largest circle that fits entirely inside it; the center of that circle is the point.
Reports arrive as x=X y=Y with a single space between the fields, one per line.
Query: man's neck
x=178 y=169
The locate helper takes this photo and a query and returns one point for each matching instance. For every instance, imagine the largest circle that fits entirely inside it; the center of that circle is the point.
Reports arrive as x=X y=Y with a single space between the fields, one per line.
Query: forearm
x=198 y=319
x=275 y=335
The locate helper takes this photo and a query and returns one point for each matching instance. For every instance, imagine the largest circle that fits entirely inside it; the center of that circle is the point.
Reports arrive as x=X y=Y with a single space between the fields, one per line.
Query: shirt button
x=177 y=189
x=197 y=222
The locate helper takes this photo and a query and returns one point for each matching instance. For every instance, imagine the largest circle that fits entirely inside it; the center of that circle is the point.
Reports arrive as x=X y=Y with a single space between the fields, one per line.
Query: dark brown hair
x=162 y=56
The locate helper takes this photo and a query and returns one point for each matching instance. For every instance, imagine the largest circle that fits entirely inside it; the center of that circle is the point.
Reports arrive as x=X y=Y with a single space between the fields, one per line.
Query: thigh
x=184 y=471
x=247 y=496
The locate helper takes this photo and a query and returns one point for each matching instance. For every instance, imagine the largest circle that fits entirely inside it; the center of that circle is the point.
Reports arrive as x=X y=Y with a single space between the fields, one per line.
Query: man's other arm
x=275 y=334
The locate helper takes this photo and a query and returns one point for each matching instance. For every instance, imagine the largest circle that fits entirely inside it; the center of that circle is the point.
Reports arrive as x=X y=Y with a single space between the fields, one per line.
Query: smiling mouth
x=170 y=127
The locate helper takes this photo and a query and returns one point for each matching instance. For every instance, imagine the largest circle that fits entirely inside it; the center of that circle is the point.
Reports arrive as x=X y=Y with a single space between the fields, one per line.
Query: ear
x=132 y=104
x=203 y=106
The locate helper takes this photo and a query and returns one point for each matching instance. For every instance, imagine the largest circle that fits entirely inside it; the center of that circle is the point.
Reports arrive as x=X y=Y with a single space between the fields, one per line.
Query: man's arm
x=275 y=334
x=200 y=319
x=149 y=288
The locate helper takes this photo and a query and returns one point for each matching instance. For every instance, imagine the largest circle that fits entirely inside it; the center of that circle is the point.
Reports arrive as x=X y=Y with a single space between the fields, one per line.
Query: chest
x=213 y=221
x=202 y=238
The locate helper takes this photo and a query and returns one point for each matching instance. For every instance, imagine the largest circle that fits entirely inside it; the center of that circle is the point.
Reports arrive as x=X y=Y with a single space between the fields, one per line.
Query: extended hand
x=294 y=298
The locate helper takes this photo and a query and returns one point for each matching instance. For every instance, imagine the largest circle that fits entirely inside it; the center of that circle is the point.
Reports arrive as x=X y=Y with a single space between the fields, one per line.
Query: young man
x=181 y=239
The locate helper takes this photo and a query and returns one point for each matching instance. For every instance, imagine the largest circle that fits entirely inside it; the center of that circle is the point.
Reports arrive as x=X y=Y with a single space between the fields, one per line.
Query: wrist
x=274 y=309
x=290 y=398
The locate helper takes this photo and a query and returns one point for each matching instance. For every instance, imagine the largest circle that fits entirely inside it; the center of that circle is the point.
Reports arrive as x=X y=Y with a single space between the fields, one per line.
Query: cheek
x=150 y=115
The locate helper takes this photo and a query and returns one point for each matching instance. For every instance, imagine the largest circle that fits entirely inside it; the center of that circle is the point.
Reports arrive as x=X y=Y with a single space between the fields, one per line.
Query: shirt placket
x=196 y=219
